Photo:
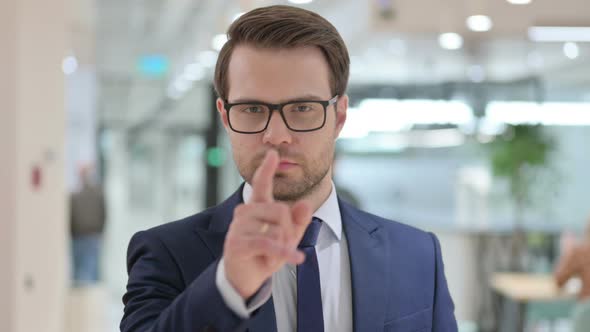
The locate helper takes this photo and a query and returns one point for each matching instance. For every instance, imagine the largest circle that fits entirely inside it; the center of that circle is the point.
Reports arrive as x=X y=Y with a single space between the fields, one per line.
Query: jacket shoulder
x=188 y=224
x=397 y=228
x=412 y=240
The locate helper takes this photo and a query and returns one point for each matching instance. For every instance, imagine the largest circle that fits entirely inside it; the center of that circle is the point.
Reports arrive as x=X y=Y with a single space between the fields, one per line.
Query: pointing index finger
x=262 y=182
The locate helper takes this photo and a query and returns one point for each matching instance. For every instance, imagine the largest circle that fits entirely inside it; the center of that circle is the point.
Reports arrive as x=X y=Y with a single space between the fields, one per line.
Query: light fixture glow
x=450 y=41
x=392 y=115
x=571 y=50
x=479 y=23
x=559 y=34
x=153 y=65
x=69 y=65
x=300 y=2
x=519 y=2
x=549 y=114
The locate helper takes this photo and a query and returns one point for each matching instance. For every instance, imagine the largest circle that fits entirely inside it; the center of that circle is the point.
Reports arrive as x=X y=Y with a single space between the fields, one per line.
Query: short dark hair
x=285 y=27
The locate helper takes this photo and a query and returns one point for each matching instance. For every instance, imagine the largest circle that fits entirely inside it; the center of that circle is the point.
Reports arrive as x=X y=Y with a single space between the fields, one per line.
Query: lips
x=286 y=164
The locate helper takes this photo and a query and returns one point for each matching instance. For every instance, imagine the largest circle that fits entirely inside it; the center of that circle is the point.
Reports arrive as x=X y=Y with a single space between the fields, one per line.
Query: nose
x=277 y=132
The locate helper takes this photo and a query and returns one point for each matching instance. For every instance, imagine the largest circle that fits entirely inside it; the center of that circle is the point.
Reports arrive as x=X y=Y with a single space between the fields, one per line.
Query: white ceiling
x=390 y=41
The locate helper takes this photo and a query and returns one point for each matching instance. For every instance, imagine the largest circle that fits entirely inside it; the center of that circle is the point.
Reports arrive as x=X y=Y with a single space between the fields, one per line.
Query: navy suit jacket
x=398 y=281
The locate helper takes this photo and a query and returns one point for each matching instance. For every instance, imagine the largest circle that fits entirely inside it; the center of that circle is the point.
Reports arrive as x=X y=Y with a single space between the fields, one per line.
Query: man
x=575 y=262
x=87 y=222
x=284 y=253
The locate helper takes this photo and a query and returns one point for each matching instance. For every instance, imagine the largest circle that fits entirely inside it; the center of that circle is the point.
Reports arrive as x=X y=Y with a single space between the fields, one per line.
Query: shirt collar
x=328 y=212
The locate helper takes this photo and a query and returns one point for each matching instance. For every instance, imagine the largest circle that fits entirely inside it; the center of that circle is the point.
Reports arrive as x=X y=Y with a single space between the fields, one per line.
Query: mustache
x=283 y=153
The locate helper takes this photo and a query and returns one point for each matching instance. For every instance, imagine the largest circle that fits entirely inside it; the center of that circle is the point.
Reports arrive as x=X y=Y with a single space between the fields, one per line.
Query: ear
x=222 y=113
x=341 y=109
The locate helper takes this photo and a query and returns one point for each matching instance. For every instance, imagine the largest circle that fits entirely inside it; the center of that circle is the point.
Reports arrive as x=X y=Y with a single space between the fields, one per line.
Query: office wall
x=33 y=232
x=7 y=168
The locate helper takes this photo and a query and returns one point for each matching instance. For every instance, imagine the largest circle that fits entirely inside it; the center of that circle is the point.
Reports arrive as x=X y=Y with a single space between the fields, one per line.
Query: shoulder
x=174 y=245
x=400 y=236
x=174 y=234
x=185 y=225
x=369 y=221
x=215 y=218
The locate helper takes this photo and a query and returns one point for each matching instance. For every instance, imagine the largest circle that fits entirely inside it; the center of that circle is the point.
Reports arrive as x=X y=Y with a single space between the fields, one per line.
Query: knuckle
x=276 y=234
x=265 y=244
x=258 y=244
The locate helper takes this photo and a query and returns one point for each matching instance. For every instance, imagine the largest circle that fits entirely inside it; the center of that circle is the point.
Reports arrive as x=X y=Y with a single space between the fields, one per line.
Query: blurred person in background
x=87 y=221
x=284 y=252
x=575 y=263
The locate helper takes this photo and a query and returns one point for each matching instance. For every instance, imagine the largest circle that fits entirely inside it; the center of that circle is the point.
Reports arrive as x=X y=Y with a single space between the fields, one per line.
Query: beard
x=292 y=187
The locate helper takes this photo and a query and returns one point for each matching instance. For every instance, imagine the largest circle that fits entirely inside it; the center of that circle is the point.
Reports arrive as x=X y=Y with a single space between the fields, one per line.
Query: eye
x=252 y=109
x=302 y=108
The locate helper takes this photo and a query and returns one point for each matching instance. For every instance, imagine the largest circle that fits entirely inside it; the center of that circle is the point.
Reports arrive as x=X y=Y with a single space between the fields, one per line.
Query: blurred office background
x=468 y=118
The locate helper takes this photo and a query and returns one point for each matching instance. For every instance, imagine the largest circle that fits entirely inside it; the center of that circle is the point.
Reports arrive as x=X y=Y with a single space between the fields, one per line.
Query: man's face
x=278 y=76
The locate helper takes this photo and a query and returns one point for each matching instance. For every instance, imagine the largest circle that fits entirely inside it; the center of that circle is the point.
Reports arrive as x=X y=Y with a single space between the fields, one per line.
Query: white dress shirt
x=334 y=263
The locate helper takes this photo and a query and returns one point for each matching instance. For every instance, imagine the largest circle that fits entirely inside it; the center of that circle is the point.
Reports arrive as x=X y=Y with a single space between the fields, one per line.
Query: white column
x=33 y=222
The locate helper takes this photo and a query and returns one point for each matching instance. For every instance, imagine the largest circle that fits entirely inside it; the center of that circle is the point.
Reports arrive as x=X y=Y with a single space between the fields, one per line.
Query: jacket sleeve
x=157 y=299
x=444 y=309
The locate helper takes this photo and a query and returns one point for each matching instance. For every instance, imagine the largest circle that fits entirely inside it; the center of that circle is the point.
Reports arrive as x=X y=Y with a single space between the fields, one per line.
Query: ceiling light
x=153 y=65
x=69 y=65
x=549 y=114
x=520 y=2
x=408 y=112
x=479 y=23
x=218 y=41
x=300 y=2
x=450 y=41
x=571 y=50
x=559 y=34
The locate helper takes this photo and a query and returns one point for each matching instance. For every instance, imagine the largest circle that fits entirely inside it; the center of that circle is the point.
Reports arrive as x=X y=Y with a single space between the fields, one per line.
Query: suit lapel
x=214 y=237
x=369 y=268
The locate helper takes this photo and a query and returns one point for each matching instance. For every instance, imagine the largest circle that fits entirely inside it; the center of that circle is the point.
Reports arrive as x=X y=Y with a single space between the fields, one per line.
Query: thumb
x=301 y=215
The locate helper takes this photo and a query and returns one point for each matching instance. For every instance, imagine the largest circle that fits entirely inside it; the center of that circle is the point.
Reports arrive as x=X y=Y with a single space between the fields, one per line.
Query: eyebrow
x=306 y=97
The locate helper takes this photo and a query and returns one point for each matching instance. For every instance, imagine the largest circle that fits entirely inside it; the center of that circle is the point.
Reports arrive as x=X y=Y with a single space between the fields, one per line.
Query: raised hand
x=264 y=233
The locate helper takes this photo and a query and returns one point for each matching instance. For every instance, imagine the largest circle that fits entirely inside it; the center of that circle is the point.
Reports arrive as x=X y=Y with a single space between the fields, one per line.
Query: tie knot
x=311 y=233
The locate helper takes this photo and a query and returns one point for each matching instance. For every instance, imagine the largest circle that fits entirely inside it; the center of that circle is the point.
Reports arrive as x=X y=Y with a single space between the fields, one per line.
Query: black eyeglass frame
x=279 y=108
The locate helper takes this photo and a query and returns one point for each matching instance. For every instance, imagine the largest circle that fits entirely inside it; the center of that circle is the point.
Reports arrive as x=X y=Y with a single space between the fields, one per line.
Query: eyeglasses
x=299 y=116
